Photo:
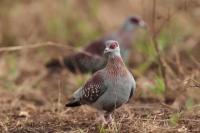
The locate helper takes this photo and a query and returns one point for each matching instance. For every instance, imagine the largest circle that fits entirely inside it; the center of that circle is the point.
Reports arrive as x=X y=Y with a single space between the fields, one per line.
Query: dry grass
x=31 y=113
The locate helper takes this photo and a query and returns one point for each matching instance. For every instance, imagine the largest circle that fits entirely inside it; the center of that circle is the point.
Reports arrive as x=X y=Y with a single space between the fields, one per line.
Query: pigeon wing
x=94 y=88
x=83 y=61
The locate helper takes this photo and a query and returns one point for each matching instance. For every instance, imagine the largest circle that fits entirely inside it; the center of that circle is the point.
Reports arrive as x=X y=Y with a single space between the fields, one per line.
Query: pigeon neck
x=126 y=34
x=115 y=62
x=127 y=28
x=114 y=54
x=116 y=67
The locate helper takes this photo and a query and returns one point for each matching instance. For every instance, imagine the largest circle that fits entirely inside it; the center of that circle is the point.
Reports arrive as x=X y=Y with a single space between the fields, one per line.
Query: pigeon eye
x=134 y=20
x=113 y=46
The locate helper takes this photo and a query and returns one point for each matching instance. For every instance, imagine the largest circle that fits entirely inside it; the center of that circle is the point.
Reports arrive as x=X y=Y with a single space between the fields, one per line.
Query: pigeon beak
x=106 y=50
x=143 y=24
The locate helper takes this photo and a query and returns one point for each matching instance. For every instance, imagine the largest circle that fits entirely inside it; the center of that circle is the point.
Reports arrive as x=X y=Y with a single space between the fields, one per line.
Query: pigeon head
x=132 y=23
x=112 y=48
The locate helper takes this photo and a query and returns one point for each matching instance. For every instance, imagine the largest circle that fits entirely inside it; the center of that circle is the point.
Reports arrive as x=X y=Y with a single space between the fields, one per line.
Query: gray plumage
x=108 y=88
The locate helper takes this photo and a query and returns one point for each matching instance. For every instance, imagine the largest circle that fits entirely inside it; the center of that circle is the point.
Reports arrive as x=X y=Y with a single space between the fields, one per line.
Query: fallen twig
x=31 y=46
x=43 y=44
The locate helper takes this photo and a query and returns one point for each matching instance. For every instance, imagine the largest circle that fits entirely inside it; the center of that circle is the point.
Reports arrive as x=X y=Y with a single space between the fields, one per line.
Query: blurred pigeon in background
x=91 y=58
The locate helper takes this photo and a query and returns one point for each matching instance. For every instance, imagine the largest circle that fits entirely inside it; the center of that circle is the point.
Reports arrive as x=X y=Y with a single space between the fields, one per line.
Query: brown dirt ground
x=43 y=111
x=36 y=105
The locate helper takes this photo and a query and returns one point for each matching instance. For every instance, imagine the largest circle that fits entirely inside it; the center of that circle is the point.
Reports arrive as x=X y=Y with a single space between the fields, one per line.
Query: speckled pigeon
x=108 y=88
x=92 y=59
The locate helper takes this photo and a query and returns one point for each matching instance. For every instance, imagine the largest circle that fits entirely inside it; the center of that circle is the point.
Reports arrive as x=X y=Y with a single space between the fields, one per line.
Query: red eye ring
x=113 y=46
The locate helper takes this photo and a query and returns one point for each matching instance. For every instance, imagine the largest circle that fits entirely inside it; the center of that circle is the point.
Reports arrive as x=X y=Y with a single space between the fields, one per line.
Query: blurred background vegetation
x=75 y=23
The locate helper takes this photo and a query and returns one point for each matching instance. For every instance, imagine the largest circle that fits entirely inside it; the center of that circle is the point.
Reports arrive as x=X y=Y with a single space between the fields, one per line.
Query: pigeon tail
x=54 y=65
x=75 y=100
x=73 y=103
x=71 y=63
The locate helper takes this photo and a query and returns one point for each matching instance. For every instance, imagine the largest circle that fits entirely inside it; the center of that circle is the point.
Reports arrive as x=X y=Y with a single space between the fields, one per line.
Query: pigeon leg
x=101 y=118
x=108 y=118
